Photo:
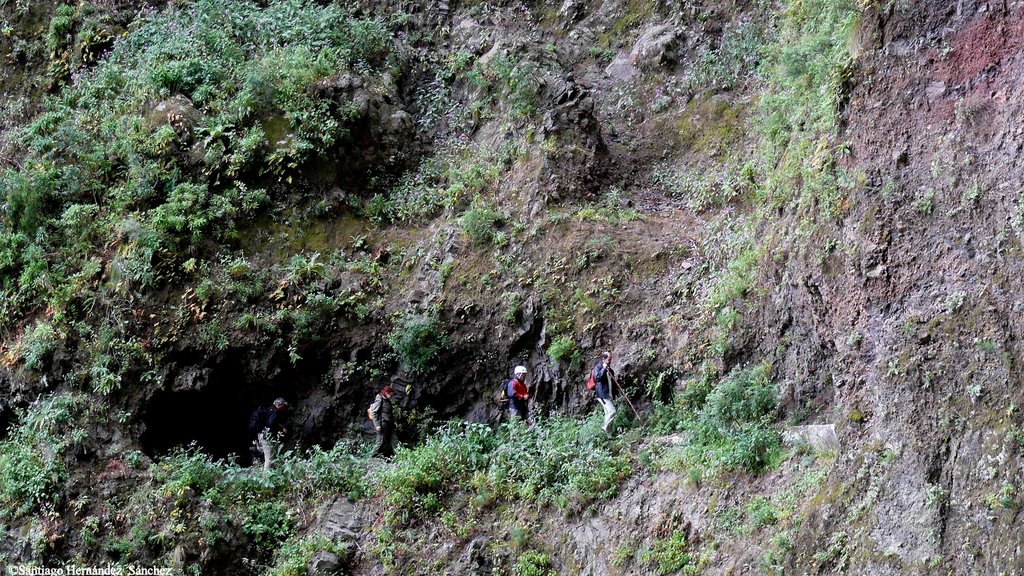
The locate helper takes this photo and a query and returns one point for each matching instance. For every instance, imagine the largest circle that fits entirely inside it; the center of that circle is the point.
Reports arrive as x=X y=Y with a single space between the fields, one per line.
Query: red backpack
x=590 y=381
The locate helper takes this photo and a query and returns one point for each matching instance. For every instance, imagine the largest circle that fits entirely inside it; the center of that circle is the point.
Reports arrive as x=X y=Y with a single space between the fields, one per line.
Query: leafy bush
x=302 y=268
x=418 y=341
x=191 y=494
x=730 y=423
x=562 y=348
x=696 y=392
x=314 y=474
x=513 y=307
x=39 y=342
x=480 y=224
x=186 y=470
x=736 y=57
x=293 y=557
x=509 y=80
x=734 y=427
x=268 y=523
x=336 y=471
x=610 y=210
x=151 y=151
x=533 y=563
x=58 y=37
x=744 y=396
x=561 y=463
x=806 y=67
x=32 y=467
x=666 y=417
x=669 y=555
x=761 y=512
x=736 y=280
x=448 y=179
x=557 y=461
x=421 y=474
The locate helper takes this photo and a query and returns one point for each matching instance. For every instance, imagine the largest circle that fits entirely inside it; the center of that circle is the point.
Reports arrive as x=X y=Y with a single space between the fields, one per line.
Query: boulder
x=577 y=163
x=655 y=47
x=191 y=378
x=571 y=11
x=342 y=522
x=324 y=563
x=176 y=111
x=400 y=122
x=362 y=101
x=335 y=86
x=472 y=36
x=491 y=54
x=473 y=559
x=622 y=68
x=820 y=437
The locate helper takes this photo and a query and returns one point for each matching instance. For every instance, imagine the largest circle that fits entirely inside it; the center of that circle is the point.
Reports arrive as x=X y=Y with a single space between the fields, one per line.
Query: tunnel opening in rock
x=214 y=420
x=213 y=410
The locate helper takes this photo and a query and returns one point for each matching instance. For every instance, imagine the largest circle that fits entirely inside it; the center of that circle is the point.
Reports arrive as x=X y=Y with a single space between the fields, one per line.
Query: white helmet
x=519 y=371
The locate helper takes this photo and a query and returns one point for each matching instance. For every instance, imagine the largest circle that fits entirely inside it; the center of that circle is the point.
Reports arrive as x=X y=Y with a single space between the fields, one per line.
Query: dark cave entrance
x=216 y=420
x=213 y=410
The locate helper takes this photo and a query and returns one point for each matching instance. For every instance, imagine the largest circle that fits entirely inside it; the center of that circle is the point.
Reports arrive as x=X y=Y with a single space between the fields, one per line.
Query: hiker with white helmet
x=518 y=395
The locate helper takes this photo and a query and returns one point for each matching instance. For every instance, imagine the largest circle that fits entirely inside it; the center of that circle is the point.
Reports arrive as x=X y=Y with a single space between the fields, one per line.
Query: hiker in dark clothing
x=603 y=388
x=382 y=416
x=269 y=425
x=518 y=395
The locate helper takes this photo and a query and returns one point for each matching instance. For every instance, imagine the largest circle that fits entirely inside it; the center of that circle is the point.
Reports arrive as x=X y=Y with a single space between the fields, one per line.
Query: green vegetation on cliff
x=147 y=164
x=215 y=183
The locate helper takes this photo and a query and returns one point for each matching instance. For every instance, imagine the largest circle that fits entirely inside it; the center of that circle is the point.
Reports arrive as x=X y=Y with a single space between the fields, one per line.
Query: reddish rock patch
x=982 y=45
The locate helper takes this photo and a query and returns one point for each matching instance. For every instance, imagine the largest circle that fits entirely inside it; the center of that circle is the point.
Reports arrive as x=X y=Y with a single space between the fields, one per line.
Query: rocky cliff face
x=917 y=317
x=823 y=194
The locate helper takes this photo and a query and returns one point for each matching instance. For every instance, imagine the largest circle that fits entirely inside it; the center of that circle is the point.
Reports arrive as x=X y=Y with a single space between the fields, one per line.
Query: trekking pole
x=626 y=397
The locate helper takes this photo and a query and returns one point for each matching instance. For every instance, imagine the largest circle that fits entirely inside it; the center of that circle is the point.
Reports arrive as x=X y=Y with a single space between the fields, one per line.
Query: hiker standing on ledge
x=383 y=419
x=268 y=423
x=603 y=388
x=518 y=395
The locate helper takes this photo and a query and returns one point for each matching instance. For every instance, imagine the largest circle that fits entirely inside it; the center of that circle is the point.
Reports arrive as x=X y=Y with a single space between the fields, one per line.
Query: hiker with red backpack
x=602 y=375
x=518 y=395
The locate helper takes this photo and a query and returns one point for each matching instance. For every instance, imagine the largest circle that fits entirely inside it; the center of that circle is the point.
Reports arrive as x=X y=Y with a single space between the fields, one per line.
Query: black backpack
x=259 y=418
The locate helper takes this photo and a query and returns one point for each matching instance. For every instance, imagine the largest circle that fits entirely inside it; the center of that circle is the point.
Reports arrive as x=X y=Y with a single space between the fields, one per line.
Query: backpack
x=591 y=384
x=258 y=419
x=501 y=397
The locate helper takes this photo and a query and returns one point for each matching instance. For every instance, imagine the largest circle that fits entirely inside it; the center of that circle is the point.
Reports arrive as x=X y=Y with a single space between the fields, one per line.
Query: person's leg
x=609 y=413
x=388 y=441
x=379 y=445
x=256 y=451
x=267 y=447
